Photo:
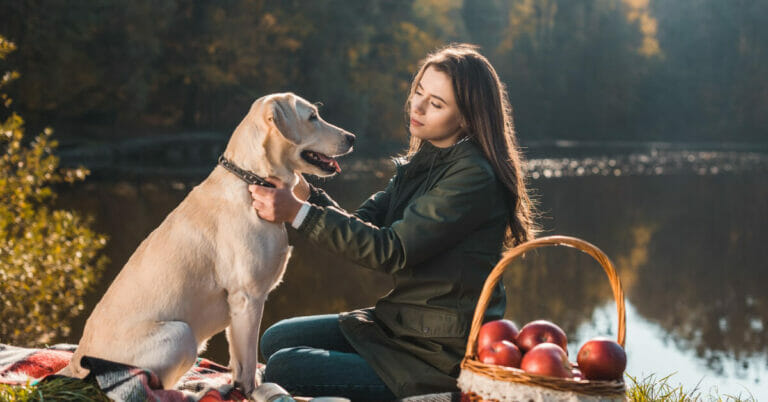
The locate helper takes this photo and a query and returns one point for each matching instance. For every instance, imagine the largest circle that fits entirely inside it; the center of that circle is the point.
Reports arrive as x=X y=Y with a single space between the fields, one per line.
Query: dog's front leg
x=243 y=337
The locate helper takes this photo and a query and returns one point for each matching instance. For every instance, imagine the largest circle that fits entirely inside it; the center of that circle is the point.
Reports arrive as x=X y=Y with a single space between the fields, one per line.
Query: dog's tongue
x=330 y=161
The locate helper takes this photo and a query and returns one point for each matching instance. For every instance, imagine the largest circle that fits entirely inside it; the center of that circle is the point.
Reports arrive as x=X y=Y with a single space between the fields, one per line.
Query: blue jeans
x=309 y=356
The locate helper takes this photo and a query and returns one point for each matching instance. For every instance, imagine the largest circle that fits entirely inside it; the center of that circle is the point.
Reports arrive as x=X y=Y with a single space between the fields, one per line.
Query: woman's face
x=434 y=113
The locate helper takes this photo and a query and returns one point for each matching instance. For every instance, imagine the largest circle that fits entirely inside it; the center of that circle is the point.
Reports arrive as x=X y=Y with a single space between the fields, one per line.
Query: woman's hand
x=277 y=204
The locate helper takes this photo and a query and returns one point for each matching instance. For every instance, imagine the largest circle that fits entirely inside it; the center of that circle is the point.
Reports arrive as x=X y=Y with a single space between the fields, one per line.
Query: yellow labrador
x=211 y=263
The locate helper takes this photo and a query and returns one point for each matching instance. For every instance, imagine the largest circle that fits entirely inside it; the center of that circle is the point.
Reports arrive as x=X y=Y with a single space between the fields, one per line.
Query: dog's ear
x=282 y=114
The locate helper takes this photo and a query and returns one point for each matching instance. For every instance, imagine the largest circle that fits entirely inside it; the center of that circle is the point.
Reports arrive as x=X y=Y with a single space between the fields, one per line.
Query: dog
x=211 y=263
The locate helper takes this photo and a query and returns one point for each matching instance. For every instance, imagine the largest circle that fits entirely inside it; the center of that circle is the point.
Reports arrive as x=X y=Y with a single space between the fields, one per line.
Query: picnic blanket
x=206 y=381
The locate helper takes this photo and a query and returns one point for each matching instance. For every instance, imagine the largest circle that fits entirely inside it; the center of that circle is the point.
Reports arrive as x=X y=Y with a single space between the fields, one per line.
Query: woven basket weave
x=470 y=363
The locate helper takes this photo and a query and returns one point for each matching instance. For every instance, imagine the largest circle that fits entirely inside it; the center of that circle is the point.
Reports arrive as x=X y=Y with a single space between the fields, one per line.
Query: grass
x=57 y=389
x=646 y=389
x=651 y=388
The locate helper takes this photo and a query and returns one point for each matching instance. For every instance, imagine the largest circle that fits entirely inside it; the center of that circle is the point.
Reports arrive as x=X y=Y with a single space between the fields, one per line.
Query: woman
x=438 y=228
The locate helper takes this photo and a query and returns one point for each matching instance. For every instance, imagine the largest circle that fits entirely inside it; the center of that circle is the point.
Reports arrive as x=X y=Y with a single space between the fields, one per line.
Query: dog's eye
x=313 y=116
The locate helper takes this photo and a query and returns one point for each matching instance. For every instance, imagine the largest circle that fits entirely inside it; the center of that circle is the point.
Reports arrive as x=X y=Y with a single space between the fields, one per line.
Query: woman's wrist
x=293 y=209
x=302 y=190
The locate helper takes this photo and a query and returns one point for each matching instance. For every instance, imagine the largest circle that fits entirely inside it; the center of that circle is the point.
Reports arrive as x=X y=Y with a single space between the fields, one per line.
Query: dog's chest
x=268 y=239
x=268 y=253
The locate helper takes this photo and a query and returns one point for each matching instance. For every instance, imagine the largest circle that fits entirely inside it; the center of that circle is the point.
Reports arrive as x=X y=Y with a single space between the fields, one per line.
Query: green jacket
x=438 y=229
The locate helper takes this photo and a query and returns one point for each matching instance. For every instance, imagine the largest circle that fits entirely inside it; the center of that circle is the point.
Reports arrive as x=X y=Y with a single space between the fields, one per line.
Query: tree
x=48 y=258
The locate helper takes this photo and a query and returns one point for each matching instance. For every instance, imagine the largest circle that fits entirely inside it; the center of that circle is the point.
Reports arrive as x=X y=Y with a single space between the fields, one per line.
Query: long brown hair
x=482 y=101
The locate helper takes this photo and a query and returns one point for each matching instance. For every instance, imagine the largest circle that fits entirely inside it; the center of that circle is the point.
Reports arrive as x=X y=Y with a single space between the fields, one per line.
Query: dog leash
x=248 y=177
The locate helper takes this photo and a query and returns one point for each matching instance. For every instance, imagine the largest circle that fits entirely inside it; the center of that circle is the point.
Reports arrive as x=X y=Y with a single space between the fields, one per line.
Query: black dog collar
x=246 y=176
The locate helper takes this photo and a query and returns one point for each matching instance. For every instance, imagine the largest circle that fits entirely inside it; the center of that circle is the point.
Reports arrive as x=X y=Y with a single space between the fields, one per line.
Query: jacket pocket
x=427 y=322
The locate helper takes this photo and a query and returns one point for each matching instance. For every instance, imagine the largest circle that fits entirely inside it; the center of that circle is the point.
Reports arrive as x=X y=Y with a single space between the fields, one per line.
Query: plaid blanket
x=206 y=381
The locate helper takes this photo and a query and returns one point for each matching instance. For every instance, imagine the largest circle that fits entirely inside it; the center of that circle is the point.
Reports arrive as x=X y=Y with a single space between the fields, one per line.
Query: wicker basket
x=480 y=381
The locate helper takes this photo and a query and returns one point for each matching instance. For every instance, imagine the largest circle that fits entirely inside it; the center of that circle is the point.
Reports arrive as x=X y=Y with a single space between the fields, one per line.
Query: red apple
x=502 y=353
x=602 y=359
x=547 y=359
x=494 y=331
x=541 y=331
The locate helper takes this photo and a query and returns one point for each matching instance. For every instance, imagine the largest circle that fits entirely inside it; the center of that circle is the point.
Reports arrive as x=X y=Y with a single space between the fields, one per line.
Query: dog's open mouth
x=322 y=161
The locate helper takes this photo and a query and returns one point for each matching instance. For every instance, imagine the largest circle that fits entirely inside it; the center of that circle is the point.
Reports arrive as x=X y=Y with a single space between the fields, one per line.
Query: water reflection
x=653 y=162
x=650 y=354
x=689 y=250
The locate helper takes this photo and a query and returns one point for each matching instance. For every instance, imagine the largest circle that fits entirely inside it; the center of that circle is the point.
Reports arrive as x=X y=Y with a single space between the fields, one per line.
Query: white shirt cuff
x=299 y=219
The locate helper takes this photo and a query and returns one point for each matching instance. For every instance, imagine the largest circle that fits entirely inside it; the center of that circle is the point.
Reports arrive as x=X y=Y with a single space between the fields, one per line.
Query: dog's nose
x=350 y=139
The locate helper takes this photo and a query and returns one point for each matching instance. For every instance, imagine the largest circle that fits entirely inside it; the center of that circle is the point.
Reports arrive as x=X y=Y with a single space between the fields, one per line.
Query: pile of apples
x=541 y=348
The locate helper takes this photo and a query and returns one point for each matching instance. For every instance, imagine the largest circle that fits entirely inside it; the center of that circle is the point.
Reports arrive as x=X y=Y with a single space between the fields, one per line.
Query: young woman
x=438 y=228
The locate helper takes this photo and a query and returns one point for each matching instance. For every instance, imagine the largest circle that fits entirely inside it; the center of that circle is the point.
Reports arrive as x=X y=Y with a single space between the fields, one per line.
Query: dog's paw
x=246 y=389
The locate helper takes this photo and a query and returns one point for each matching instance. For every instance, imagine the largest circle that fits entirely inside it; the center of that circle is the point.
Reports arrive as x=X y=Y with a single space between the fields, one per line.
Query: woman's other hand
x=278 y=204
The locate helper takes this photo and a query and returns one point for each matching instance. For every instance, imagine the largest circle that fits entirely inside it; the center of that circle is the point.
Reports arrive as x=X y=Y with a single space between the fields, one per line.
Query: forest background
x=598 y=70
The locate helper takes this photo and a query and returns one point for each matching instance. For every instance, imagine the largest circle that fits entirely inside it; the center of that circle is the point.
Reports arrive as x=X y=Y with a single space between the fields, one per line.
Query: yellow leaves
x=530 y=18
x=444 y=15
x=534 y=21
x=78 y=174
x=7 y=77
x=635 y=256
x=650 y=47
x=639 y=12
x=45 y=274
x=268 y=20
x=292 y=44
x=353 y=55
x=6 y=47
x=48 y=259
x=408 y=30
x=637 y=4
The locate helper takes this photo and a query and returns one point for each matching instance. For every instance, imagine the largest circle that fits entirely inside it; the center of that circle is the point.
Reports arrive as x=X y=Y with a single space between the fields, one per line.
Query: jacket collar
x=429 y=154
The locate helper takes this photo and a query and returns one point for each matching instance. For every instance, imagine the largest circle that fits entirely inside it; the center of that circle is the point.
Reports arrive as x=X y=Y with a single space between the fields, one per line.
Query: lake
x=686 y=228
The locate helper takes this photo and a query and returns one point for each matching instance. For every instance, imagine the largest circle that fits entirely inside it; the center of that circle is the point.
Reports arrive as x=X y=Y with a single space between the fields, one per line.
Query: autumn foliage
x=49 y=258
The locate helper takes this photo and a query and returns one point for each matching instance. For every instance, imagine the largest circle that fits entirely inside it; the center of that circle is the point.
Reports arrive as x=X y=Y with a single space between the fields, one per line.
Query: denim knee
x=280 y=366
x=317 y=331
x=317 y=372
x=270 y=340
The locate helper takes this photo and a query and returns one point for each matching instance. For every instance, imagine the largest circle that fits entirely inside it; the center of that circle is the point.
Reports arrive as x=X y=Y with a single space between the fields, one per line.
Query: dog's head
x=294 y=136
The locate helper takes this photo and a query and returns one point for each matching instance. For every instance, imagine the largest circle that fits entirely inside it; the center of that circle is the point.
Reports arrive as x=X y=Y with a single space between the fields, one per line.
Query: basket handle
x=509 y=256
